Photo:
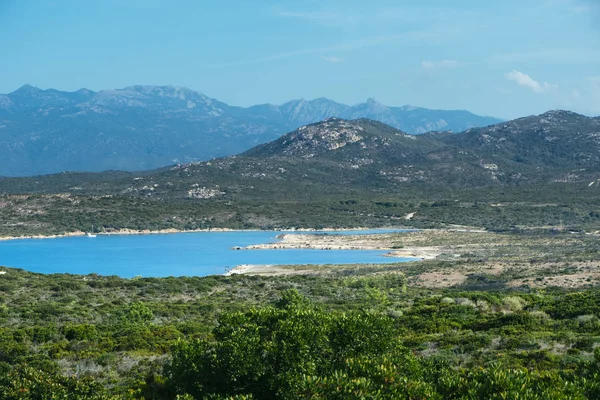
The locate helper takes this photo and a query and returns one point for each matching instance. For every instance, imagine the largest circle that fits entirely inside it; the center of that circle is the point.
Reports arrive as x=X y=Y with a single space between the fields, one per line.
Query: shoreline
x=419 y=254
x=350 y=242
x=173 y=230
x=334 y=242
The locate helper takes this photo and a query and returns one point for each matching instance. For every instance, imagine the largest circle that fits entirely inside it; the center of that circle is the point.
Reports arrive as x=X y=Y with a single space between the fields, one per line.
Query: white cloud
x=427 y=64
x=373 y=41
x=527 y=81
x=333 y=59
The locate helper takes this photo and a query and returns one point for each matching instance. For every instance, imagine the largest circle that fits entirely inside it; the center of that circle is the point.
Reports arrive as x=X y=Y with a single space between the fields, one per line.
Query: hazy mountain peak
x=143 y=126
x=321 y=100
x=295 y=103
x=85 y=91
x=27 y=88
x=27 y=93
x=372 y=106
x=31 y=97
x=408 y=107
x=179 y=92
x=162 y=98
x=294 y=107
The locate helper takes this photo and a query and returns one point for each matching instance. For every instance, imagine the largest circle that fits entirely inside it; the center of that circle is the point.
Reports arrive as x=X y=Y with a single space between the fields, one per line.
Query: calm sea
x=180 y=254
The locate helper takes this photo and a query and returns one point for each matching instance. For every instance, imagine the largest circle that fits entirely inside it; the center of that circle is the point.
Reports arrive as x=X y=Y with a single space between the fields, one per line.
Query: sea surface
x=176 y=254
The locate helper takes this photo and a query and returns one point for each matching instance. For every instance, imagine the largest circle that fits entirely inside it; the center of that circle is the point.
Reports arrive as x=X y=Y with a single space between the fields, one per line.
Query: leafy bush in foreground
x=296 y=350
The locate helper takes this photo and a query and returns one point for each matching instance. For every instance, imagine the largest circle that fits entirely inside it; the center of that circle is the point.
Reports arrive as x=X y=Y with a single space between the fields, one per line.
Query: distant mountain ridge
x=145 y=127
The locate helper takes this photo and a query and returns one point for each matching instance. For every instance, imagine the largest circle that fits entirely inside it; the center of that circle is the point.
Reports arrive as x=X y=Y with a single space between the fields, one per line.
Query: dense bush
x=300 y=351
x=331 y=337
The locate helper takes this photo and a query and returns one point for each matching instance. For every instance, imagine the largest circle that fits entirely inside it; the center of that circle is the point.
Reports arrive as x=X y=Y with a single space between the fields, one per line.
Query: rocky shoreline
x=337 y=242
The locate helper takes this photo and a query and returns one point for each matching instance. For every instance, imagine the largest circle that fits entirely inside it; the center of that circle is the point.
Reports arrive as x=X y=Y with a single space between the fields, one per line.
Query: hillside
x=338 y=173
x=556 y=146
x=559 y=145
x=144 y=127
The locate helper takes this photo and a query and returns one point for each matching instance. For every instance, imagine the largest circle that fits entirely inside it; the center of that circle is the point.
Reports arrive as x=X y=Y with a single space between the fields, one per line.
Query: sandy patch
x=439 y=279
x=571 y=281
x=270 y=270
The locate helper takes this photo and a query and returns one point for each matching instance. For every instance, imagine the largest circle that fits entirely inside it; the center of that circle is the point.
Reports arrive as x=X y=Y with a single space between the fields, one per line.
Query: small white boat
x=91 y=234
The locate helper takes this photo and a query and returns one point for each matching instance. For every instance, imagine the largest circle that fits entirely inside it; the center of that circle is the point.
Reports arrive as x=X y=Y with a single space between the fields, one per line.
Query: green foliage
x=300 y=352
x=268 y=352
x=336 y=336
x=81 y=332
x=139 y=313
x=24 y=383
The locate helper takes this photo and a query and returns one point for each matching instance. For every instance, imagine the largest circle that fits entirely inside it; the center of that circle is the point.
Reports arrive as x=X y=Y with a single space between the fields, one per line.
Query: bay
x=178 y=254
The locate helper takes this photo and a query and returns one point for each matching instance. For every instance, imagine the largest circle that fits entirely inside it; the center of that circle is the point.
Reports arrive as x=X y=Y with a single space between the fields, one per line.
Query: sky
x=506 y=58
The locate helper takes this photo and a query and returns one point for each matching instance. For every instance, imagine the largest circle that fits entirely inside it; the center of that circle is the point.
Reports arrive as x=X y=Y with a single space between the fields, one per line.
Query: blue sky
x=506 y=58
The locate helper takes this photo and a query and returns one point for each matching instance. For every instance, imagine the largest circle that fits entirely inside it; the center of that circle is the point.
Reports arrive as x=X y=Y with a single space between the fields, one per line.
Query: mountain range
x=146 y=127
x=341 y=155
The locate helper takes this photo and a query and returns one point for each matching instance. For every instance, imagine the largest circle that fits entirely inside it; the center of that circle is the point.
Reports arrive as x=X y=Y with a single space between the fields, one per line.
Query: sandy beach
x=121 y=232
x=169 y=231
x=349 y=242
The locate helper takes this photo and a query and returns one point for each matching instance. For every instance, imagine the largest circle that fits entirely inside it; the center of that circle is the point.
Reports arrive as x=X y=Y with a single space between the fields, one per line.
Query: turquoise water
x=180 y=254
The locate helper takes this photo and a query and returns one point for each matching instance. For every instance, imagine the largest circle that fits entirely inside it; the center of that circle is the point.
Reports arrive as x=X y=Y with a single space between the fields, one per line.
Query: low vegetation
x=560 y=206
x=336 y=332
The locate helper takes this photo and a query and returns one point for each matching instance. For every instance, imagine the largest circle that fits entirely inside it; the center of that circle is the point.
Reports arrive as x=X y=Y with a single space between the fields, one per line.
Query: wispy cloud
x=323 y=17
x=429 y=65
x=377 y=15
x=333 y=59
x=527 y=81
x=372 y=41
x=564 y=55
x=133 y=3
x=571 y=6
